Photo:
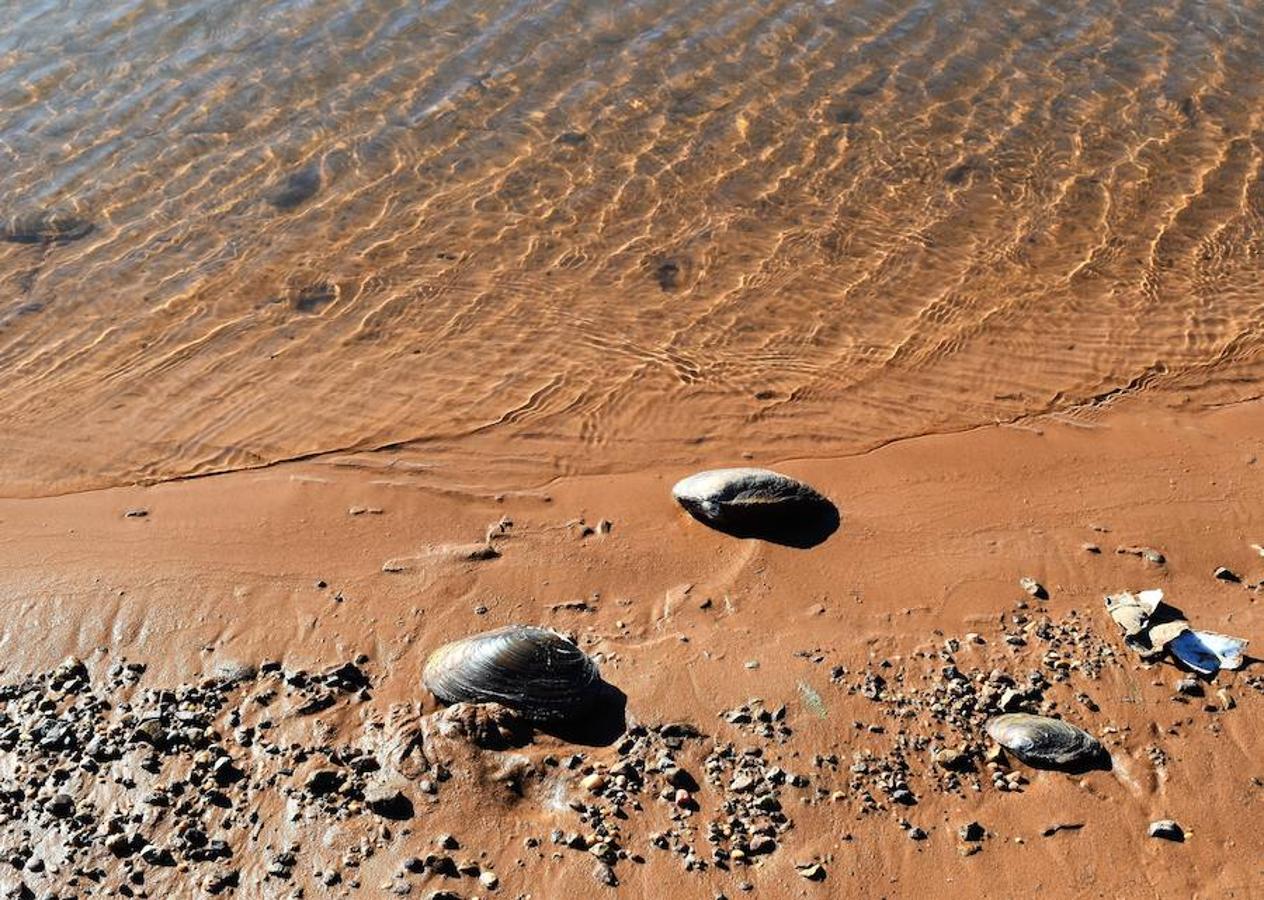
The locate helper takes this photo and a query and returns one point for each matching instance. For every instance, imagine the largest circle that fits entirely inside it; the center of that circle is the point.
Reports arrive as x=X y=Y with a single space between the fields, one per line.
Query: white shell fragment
x=1132 y=611
x=1045 y=743
x=1207 y=652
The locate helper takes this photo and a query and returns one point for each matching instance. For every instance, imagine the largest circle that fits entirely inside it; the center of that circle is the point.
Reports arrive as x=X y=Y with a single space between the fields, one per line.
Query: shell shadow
x=1099 y=762
x=800 y=525
x=603 y=722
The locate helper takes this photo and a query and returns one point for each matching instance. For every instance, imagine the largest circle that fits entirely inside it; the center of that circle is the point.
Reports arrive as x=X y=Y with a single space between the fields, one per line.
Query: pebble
x=1033 y=587
x=1167 y=829
x=1226 y=575
x=811 y=871
x=971 y=831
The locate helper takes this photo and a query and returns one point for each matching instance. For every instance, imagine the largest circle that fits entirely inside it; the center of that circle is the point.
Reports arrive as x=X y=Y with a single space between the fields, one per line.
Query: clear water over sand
x=511 y=241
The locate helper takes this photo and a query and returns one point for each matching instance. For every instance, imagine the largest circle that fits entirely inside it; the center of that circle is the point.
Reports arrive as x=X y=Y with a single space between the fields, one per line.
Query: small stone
x=1090 y=548
x=811 y=871
x=61 y=805
x=952 y=759
x=138 y=512
x=388 y=801
x=605 y=875
x=593 y=783
x=972 y=831
x=1033 y=587
x=1226 y=575
x=1167 y=829
x=324 y=781
x=762 y=844
x=488 y=879
x=220 y=880
x=752 y=664
x=917 y=834
x=1189 y=686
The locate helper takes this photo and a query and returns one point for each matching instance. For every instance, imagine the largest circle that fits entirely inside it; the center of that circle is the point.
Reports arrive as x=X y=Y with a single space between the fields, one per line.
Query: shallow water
x=508 y=241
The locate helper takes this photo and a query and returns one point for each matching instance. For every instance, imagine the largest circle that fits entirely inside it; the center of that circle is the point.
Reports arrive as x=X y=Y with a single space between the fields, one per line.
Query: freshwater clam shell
x=46 y=226
x=745 y=496
x=1045 y=743
x=534 y=671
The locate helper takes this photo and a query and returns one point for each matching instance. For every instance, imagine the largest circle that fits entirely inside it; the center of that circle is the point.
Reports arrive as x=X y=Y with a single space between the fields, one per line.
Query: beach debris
x=1207 y=652
x=1033 y=587
x=1045 y=743
x=45 y=226
x=745 y=497
x=1150 y=628
x=1226 y=575
x=536 y=672
x=1133 y=611
x=1166 y=829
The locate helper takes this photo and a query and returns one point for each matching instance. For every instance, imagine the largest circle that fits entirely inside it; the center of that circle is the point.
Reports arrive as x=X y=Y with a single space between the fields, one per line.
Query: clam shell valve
x=1045 y=743
x=534 y=671
x=746 y=496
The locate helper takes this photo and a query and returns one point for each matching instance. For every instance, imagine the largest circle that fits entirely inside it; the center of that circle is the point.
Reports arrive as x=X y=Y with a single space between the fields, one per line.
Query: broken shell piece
x=1207 y=652
x=1132 y=611
x=1160 y=636
x=1046 y=743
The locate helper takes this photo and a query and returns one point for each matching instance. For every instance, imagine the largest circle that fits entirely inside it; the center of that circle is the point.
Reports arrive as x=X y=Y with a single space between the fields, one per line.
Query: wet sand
x=688 y=623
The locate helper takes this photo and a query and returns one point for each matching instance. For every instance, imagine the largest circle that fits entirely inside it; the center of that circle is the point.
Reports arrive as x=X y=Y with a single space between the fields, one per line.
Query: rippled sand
x=540 y=238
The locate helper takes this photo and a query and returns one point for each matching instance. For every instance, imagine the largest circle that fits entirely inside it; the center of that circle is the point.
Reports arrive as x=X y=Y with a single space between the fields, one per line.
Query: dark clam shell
x=737 y=496
x=534 y=671
x=758 y=503
x=46 y=226
x=1046 y=743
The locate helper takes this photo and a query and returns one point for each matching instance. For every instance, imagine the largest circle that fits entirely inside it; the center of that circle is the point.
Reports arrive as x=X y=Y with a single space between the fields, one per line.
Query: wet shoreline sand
x=332 y=561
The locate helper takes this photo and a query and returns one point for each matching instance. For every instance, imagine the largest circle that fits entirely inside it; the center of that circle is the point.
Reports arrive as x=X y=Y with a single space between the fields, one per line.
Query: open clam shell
x=1207 y=652
x=1046 y=743
x=534 y=671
